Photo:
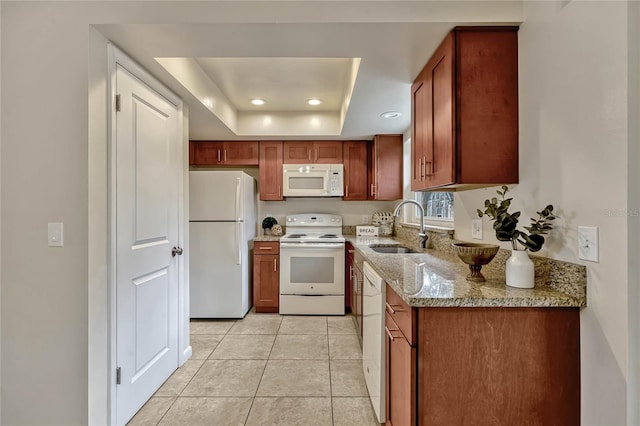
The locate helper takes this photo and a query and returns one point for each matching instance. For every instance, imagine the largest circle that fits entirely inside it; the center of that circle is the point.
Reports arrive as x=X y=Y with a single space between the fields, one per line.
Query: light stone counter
x=267 y=238
x=437 y=278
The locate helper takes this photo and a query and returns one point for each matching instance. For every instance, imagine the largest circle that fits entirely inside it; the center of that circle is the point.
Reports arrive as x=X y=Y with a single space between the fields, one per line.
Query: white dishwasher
x=373 y=341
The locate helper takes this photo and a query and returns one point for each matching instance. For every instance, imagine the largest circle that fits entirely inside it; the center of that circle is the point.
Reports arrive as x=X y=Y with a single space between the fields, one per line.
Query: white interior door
x=147 y=197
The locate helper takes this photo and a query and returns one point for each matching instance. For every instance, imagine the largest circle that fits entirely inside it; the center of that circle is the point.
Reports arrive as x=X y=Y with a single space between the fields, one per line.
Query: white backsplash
x=351 y=211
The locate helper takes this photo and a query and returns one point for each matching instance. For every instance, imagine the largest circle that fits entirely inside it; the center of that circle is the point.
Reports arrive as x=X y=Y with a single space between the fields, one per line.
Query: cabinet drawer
x=266 y=247
x=402 y=314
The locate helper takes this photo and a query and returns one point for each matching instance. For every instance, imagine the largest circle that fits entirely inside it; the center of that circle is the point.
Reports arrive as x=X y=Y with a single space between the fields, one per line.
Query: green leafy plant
x=505 y=224
x=268 y=222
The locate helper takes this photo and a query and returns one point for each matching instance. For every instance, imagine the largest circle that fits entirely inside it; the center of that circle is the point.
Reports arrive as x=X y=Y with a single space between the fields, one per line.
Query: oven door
x=312 y=268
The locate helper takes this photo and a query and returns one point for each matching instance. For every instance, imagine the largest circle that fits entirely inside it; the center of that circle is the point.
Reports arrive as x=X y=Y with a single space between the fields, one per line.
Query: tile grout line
x=262 y=375
x=196 y=372
x=330 y=381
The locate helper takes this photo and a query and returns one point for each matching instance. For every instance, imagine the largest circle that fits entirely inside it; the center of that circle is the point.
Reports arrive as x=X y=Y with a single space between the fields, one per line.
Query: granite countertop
x=267 y=238
x=438 y=279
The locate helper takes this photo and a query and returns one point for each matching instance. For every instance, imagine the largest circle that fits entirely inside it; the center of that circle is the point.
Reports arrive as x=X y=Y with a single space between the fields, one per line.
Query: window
x=438 y=206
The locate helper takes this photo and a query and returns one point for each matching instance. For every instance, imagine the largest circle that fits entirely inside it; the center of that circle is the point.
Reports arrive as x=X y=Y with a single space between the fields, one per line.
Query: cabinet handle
x=391 y=310
x=346 y=190
x=316 y=150
x=351 y=251
x=425 y=168
x=390 y=334
x=266 y=248
x=218 y=155
x=421 y=170
x=275 y=265
x=309 y=153
x=225 y=155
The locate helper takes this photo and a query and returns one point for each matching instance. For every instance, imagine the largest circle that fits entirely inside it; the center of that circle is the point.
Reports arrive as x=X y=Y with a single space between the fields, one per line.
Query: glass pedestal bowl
x=475 y=255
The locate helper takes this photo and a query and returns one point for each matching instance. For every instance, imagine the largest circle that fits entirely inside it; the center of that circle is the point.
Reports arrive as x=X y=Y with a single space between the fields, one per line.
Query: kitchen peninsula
x=483 y=353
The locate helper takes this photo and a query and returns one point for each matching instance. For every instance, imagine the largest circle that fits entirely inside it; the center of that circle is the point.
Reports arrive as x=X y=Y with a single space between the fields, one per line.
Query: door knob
x=176 y=251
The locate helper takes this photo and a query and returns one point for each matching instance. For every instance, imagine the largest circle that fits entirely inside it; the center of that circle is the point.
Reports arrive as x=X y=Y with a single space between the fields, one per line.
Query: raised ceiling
x=273 y=47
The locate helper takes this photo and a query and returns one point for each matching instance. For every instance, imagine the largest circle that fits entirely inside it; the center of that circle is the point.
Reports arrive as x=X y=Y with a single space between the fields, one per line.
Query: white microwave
x=312 y=180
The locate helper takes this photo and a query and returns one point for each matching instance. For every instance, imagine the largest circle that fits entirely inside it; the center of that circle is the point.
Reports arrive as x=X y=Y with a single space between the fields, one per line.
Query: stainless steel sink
x=392 y=249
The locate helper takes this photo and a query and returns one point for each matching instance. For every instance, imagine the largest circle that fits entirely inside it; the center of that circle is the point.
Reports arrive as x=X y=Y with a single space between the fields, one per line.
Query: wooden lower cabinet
x=400 y=377
x=355 y=278
x=498 y=366
x=266 y=276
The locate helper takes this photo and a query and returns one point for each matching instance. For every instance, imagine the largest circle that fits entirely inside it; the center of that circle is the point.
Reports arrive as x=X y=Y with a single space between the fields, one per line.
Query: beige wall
x=573 y=154
x=633 y=190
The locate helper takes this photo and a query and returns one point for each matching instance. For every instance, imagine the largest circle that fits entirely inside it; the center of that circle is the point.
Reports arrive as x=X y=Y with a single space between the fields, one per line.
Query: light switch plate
x=55 y=234
x=476 y=229
x=588 y=243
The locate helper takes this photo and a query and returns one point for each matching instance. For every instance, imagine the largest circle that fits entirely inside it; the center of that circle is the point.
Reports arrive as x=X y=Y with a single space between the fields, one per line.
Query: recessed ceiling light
x=258 y=101
x=314 y=101
x=391 y=114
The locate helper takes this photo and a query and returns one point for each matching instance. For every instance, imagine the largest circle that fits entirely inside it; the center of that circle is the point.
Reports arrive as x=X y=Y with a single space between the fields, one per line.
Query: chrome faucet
x=422 y=237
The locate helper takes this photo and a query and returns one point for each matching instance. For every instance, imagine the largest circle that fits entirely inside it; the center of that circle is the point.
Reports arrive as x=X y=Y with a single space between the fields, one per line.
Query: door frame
x=118 y=57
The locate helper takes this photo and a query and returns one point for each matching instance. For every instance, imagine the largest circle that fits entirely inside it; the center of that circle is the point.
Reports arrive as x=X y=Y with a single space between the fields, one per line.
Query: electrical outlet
x=364 y=219
x=588 y=243
x=476 y=229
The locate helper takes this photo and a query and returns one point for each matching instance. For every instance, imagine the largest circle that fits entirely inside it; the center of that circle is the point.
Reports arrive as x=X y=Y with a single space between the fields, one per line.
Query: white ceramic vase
x=520 y=271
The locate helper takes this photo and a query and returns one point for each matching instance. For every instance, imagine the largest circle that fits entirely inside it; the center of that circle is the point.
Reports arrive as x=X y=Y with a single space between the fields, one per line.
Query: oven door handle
x=311 y=245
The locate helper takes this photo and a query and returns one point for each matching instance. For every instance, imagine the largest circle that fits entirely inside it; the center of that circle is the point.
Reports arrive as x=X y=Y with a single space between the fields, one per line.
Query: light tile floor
x=266 y=370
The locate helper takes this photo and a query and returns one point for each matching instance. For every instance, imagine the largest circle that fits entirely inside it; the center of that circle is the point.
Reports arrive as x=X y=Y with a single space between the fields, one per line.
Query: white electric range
x=312 y=265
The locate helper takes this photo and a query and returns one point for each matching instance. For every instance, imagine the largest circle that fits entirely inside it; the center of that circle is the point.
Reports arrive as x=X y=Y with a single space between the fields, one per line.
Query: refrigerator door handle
x=238 y=238
x=238 y=213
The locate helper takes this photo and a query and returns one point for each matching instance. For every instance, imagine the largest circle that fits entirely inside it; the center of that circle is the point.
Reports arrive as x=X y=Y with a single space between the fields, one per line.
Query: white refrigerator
x=222 y=224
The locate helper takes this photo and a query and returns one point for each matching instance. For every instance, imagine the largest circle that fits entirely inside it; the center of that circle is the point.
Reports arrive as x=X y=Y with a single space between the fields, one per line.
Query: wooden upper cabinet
x=228 y=153
x=312 y=152
x=270 y=169
x=355 y=170
x=328 y=152
x=206 y=153
x=385 y=170
x=465 y=112
x=241 y=153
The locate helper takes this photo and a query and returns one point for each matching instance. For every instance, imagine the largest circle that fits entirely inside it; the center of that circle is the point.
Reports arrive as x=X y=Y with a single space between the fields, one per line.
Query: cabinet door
x=358 y=281
x=440 y=159
x=386 y=168
x=400 y=372
x=421 y=113
x=270 y=170
x=298 y=152
x=240 y=153
x=207 y=153
x=327 y=152
x=348 y=277
x=355 y=170
x=266 y=283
